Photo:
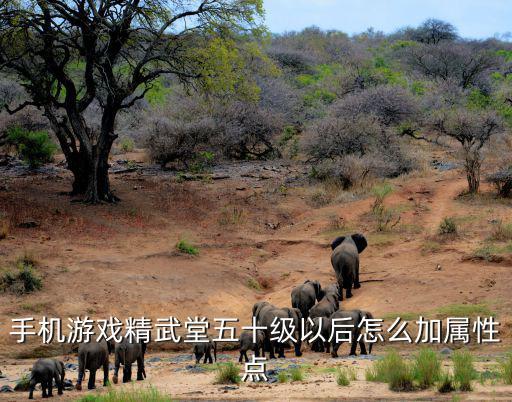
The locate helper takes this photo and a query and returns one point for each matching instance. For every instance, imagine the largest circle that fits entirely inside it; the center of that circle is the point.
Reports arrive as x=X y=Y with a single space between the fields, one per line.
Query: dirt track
x=120 y=260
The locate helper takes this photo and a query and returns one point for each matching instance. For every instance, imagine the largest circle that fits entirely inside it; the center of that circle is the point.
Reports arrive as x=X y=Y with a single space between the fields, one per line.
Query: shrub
x=34 y=147
x=282 y=377
x=427 y=368
x=253 y=284
x=22 y=279
x=184 y=246
x=228 y=374
x=127 y=144
x=393 y=370
x=502 y=231
x=132 y=395
x=445 y=383
x=502 y=181
x=385 y=217
x=297 y=374
x=506 y=369
x=447 y=226
x=463 y=370
x=345 y=375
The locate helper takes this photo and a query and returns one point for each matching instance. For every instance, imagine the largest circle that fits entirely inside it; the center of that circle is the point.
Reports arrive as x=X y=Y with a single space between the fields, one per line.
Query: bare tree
x=433 y=31
x=71 y=54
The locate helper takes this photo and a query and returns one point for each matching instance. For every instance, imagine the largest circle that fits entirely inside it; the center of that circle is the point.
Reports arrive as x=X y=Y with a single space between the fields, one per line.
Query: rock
x=446 y=351
x=228 y=388
x=439 y=267
x=6 y=389
x=28 y=224
x=154 y=360
x=71 y=366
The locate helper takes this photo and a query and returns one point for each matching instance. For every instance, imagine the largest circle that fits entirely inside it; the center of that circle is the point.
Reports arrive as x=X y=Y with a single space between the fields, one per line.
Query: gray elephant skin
x=345 y=261
x=44 y=371
x=354 y=319
x=265 y=314
x=247 y=343
x=92 y=356
x=329 y=303
x=322 y=326
x=126 y=353
x=306 y=295
x=205 y=349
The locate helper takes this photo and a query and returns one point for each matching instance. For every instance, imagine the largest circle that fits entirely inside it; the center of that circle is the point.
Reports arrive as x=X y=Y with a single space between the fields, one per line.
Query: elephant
x=246 y=343
x=126 y=353
x=321 y=326
x=345 y=261
x=329 y=303
x=92 y=356
x=306 y=295
x=266 y=316
x=205 y=349
x=355 y=318
x=44 y=371
x=260 y=308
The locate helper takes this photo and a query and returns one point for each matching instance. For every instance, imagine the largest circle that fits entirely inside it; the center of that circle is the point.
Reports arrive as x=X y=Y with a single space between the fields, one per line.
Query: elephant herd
x=315 y=307
x=92 y=356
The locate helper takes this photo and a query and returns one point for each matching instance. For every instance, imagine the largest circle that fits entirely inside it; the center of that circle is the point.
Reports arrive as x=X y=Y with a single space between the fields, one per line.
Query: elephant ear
x=336 y=242
x=360 y=242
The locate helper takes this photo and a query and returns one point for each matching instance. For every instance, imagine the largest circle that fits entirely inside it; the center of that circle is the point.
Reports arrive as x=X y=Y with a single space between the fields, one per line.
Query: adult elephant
x=126 y=353
x=329 y=303
x=92 y=356
x=306 y=295
x=352 y=318
x=44 y=372
x=345 y=261
x=270 y=315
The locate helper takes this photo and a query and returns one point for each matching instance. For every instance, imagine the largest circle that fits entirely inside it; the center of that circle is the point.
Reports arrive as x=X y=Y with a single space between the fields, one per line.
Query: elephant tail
x=215 y=351
x=85 y=364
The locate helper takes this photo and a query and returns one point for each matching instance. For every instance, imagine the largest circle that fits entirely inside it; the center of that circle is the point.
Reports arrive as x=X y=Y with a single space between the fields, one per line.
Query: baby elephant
x=205 y=349
x=44 y=372
x=246 y=343
x=126 y=353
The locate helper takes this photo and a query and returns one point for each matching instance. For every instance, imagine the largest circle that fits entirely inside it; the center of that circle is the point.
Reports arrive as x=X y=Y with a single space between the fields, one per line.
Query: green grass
x=502 y=231
x=430 y=246
x=465 y=310
x=253 y=284
x=184 y=246
x=445 y=383
x=447 y=226
x=345 y=375
x=297 y=374
x=22 y=279
x=228 y=374
x=282 y=377
x=489 y=251
x=133 y=395
x=506 y=369
x=127 y=144
x=426 y=368
x=394 y=370
x=463 y=369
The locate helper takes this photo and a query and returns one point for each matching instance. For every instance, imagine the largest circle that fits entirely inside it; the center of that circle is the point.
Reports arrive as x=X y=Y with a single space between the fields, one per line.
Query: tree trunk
x=98 y=183
x=473 y=173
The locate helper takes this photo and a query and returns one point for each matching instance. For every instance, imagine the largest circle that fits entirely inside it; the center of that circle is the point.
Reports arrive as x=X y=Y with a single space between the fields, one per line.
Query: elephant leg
x=327 y=346
x=246 y=357
x=50 y=387
x=257 y=352
x=81 y=373
x=117 y=364
x=353 y=348
x=140 y=368
x=240 y=358
x=44 y=386
x=348 y=289
x=127 y=372
x=357 y=284
x=31 y=389
x=105 y=373
x=335 y=347
x=92 y=379
x=270 y=347
x=362 y=346
x=59 y=384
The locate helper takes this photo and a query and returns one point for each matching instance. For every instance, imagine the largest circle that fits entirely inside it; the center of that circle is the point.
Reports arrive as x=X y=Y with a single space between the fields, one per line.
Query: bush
x=502 y=231
x=127 y=144
x=506 y=369
x=393 y=370
x=297 y=374
x=23 y=279
x=463 y=370
x=445 y=383
x=427 y=368
x=282 y=377
x=228 y=374
x=447 y=226
x=184 y=246
x=34 y=147
x=345 y=375
x=133 y=395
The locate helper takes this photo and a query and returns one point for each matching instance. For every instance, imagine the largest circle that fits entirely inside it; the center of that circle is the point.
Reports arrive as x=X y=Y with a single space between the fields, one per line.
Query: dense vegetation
x=355 y=106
